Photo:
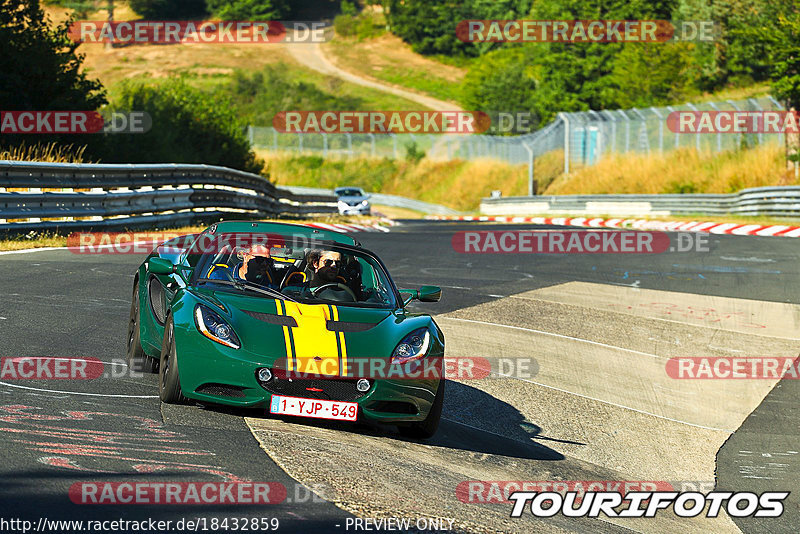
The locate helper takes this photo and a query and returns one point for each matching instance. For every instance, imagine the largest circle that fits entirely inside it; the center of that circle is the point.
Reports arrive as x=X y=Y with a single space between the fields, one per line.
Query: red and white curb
x=638 y=224
x=351 y=228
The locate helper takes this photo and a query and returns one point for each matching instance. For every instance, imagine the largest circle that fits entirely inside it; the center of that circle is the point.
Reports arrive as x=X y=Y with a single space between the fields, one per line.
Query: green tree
x=651 y=74
x=40 y=69
x=429 y=26
x=779 y=39
x=550 y=77
x=261 y=95
x=249 y=9
x=188 y=126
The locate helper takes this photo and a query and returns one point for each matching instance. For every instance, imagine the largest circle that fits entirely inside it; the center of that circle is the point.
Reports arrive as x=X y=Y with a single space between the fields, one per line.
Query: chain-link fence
x=584 y=137
x=594 y=134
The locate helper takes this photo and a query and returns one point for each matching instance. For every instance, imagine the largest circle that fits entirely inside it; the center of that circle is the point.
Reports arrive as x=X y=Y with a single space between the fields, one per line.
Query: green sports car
x=295 y=320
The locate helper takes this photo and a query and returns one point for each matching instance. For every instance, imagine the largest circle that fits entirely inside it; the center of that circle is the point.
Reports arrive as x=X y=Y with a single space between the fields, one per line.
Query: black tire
x=169 y=384
x=138 y=360
x=427 y=428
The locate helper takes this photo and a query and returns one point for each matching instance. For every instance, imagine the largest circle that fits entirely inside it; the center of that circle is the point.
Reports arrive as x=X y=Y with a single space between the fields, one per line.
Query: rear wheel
x=169 y=384
x=138 y=360
x=427 y=428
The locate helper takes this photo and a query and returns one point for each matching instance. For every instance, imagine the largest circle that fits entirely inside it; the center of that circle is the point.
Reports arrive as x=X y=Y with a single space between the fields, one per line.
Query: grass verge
x=388 y=59
x=678 y=171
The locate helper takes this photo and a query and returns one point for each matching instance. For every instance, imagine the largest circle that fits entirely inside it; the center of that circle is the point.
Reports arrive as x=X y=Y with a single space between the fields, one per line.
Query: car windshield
x=306 y=272
x=349 y=192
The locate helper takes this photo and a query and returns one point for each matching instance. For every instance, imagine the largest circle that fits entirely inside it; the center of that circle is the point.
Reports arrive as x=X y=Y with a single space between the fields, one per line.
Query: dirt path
x=312 y=56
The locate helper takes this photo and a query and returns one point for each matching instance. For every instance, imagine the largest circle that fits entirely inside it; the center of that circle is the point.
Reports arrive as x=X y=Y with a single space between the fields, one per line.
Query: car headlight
x=214 y=327
x=343 y=204
x=413 y=347
x=364 y=203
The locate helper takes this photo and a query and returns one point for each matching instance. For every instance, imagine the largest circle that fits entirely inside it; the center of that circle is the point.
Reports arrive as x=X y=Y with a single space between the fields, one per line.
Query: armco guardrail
x=775 y=201
x=394 y=201
x=139 y=196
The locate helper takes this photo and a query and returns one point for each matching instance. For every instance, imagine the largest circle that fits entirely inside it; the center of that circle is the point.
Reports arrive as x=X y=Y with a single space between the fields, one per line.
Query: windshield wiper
x=242 y=284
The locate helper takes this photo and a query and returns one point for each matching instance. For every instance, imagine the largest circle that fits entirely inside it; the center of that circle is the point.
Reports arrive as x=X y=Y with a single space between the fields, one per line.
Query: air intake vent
x=271 y=318
x=345 y=326
x=220 y=390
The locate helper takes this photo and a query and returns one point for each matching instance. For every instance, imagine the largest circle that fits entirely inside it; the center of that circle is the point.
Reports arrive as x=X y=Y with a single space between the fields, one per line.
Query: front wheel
x=427 y=428
x=137 y=359
x=169 y=384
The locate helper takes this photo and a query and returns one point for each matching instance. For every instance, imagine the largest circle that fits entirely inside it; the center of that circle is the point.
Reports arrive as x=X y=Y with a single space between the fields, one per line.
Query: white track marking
x=64 y=359
x=80 y=393
x=581 y=340
x=27 y=250
x=623 y=406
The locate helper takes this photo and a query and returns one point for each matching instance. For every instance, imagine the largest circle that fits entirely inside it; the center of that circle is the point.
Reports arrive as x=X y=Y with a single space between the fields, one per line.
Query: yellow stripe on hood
x=315 y=349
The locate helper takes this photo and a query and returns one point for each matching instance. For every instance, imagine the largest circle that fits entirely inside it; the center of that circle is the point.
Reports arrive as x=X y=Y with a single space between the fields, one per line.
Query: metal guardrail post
x=697 y=135
x=627 y=131
x=759 y=108
x=643 y=126
x=781 y=139
x=677 y=139
x=738 y=134
x=565 y=119
x=719 y=134
x=613 y=129
x=531 y=162
x=660 y=118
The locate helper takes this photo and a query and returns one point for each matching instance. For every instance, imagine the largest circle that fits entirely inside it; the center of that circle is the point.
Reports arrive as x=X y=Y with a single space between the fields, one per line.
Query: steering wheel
x=319 y=289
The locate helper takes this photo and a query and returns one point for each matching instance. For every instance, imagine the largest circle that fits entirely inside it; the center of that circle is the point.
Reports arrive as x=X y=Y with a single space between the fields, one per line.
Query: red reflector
x=313 y=389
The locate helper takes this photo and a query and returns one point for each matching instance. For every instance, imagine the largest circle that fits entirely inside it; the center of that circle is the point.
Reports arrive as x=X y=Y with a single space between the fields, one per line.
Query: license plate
x=320 y=409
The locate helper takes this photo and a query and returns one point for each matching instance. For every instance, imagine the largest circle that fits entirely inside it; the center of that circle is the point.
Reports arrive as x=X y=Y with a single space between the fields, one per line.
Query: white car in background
x=353 y=201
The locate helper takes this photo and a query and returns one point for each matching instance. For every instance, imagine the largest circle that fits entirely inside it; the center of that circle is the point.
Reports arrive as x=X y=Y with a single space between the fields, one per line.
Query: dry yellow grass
x=457 y=184
x=393 y=212
x=50 y=152
x=683 y=170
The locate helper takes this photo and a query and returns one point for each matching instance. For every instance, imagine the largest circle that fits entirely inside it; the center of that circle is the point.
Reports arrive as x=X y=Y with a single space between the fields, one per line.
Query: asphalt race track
x=577 y=344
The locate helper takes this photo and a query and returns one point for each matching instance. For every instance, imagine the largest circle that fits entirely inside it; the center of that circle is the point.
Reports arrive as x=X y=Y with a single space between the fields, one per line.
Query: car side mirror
x=423 y=294
x=429 y=293
x=160 y=266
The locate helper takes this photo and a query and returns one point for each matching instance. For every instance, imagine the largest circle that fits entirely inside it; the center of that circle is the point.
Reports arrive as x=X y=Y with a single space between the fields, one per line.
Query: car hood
x=311 y=334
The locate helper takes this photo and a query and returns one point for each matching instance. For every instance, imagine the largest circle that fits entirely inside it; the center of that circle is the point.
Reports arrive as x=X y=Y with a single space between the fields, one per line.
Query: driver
x=325 y=265
x=254 y=267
